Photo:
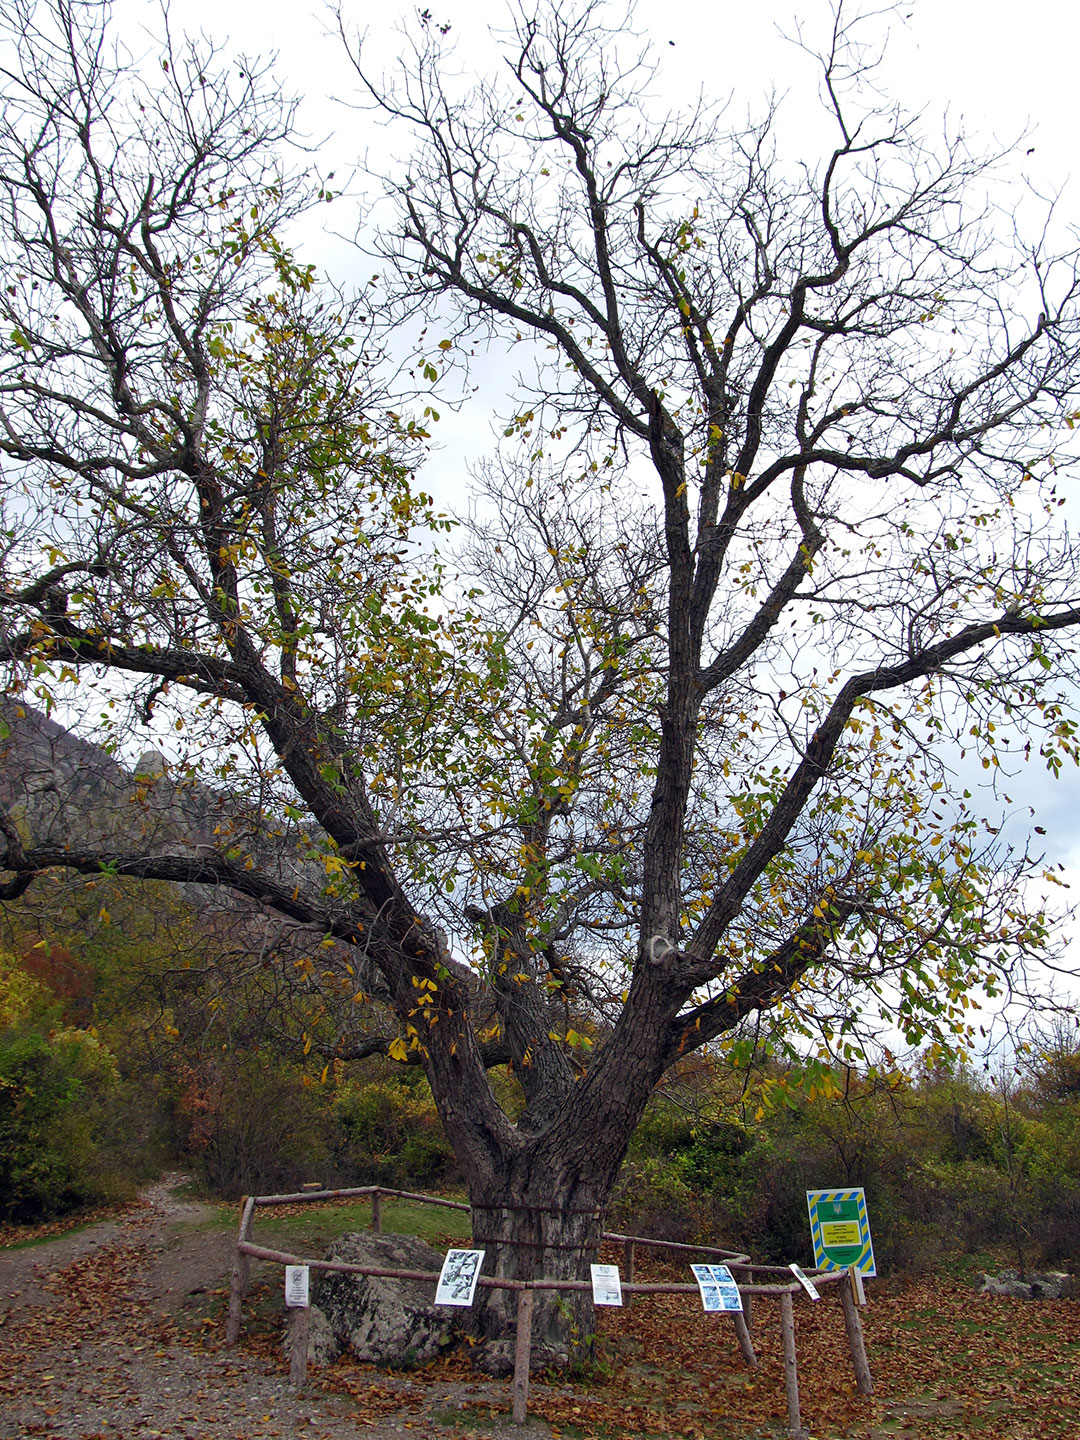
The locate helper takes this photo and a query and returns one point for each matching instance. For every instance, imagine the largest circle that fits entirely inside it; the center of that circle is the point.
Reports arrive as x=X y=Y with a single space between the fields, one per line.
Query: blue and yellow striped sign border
x=865 y=1263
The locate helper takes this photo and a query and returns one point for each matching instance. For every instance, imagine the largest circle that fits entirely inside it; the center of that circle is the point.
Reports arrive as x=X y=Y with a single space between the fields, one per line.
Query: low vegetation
x=117 y=1057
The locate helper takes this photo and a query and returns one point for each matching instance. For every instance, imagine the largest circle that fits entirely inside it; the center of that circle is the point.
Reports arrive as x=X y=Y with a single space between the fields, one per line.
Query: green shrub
x=946 y=1167
x=388 y=1132
x=652 y=1198
x=56 y=1087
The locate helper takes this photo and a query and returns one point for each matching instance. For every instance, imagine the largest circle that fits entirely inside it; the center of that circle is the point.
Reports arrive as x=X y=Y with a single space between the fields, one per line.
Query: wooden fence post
x=742 y=1331
x=853 y=1324
x=522 y=1354
x=376 y=1212
x=791 y=1373
x=299 y=1326
x=240 y=1276
x=628 y=1266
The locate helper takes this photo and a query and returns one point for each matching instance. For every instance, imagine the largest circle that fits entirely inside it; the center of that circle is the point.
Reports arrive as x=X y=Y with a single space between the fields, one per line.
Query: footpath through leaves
x=117 y=1332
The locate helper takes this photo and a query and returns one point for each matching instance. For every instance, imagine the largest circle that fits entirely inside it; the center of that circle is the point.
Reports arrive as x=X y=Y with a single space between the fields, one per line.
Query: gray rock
x=383 y=1321
x=1052 y=1285
x=1036 y=1285
x=1013 y=1289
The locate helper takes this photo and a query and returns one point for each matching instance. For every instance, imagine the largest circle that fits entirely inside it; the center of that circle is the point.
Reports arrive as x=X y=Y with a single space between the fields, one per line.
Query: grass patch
x=975 y=1262
x=475 y=1417
x=221 y=1216
x=310 y=1231
x=75 y=1228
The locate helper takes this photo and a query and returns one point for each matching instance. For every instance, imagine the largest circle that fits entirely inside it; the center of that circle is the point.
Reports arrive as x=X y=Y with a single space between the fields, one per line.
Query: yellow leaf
x=398 y=1049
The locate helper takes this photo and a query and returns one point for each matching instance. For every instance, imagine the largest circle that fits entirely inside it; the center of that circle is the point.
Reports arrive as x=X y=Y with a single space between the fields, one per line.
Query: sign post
x=840 y=1230
x=297 y=1300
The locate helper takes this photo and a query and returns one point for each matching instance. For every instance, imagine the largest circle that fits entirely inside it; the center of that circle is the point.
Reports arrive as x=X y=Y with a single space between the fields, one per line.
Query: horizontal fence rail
x=737 y=1261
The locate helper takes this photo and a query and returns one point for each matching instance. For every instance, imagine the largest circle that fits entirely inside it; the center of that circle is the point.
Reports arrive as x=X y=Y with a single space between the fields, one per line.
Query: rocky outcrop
x=1033 y=1285
x=60 y=789
x=381 y=1321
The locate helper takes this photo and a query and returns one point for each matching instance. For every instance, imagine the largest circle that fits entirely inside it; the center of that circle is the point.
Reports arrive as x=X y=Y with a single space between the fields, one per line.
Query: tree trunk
x=539 y=1188
x=536 y=1223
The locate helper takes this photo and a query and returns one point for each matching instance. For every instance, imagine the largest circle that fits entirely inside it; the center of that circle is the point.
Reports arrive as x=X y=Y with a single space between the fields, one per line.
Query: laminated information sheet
x=805 y=1281
x=606 y=1285
x=717 y=1286
x=460 y=1272
x=297 y=1279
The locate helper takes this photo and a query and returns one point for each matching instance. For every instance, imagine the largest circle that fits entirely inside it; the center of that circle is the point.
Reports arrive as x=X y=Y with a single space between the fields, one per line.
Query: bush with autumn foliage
x=61 y=1097
x=953 y=1161
x=145 y=1042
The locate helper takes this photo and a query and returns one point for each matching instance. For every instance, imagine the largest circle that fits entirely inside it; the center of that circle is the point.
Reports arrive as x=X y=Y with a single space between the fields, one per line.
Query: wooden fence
x=783 y=1288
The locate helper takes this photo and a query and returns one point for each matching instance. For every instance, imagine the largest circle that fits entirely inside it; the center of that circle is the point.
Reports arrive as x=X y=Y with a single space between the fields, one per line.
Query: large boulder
x=382 y=1321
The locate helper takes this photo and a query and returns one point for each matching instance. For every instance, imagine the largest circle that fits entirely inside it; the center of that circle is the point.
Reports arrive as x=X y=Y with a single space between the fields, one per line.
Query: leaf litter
x=105 y=1351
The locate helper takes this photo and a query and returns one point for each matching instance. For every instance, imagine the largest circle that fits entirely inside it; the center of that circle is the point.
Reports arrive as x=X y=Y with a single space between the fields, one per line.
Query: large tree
x=776 y=518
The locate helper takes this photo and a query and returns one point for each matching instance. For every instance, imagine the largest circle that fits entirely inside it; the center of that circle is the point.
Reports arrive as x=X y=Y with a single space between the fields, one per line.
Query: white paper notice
x=296 y=1286
x=606 y=1285
x=460 y=1272
x=805 y=1281
x=717 y=1286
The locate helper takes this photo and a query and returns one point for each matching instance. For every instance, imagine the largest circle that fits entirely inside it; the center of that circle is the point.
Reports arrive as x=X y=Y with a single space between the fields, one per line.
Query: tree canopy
x=656 y=764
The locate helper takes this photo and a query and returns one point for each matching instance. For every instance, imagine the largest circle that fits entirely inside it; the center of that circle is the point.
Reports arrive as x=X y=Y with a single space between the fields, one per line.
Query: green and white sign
x=840 y=1230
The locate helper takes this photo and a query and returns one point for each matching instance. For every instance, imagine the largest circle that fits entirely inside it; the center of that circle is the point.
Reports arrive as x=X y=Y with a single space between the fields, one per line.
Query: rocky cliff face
x=63 y=790
x=47 y=774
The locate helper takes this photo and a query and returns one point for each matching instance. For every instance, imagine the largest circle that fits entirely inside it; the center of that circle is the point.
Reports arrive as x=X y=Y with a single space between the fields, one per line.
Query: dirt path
x=115 y=1331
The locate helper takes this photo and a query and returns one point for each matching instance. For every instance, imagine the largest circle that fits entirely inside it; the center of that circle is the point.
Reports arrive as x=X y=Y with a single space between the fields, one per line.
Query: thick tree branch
x=762 y=986
x=818 y=755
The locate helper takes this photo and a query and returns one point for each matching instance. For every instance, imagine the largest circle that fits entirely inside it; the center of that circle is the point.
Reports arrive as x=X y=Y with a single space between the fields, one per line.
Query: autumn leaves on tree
x=641 y=758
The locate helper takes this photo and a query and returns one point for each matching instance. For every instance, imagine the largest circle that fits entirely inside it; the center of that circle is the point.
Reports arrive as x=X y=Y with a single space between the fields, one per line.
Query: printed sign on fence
x=805 y=1281
x=717 y=1286
x=840 y=1230
x=460 y=1272
x=297 y=1279
x=606 y=1285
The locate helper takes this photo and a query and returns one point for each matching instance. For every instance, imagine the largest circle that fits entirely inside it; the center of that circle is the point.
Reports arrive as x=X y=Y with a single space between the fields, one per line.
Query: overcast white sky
x=999 y=65
x=1000 y=69
x=1003 y=69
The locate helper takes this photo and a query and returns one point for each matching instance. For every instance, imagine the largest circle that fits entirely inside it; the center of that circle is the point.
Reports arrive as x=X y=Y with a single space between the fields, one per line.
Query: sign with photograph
x=460 y=1272
x=606 y=1285
x=840 y=1230
x=718 y=1288
x=297 y=1281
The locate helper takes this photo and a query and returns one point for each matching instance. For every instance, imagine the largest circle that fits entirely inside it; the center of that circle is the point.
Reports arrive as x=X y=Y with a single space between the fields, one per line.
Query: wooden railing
x=785 y=1291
